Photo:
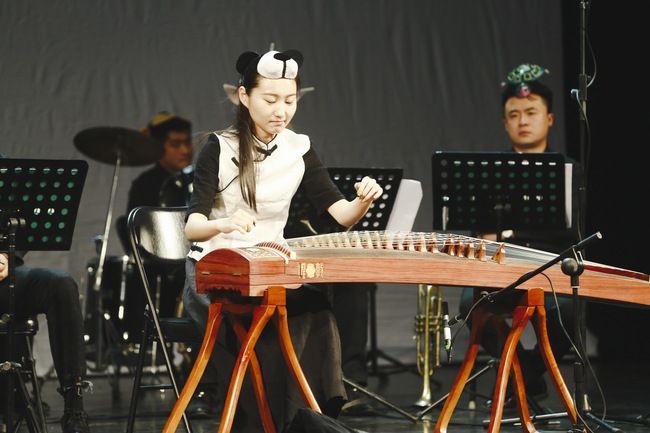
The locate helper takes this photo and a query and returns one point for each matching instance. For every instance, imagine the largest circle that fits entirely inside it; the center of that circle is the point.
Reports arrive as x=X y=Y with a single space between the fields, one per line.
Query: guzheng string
x=448 y=243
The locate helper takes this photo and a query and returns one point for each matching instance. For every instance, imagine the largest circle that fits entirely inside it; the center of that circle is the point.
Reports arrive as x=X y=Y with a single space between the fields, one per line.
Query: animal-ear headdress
x=273 y=64
x=522 y=76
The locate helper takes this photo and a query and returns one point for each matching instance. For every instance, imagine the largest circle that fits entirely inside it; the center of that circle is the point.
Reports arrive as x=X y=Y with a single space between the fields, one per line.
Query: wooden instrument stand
x=530 y=305
x=233 y=305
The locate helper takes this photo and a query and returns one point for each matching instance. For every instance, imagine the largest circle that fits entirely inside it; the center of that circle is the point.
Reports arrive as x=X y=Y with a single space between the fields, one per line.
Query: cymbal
x=106 y=143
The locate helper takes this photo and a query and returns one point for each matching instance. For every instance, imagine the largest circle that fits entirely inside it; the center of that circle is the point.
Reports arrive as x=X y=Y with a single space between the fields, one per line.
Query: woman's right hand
x=240 y=221
x=200 y=229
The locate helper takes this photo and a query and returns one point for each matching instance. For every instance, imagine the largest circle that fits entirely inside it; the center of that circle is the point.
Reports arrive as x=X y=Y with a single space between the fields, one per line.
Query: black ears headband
x=273 y=64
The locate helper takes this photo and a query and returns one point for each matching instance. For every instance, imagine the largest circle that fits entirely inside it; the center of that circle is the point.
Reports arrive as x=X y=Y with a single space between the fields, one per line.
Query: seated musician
x=56 y=294
x=349 y=300
x=527 y=117
x=244 y=180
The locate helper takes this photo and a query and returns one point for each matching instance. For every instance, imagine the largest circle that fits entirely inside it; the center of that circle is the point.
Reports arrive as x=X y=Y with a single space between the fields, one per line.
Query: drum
x=117 y=309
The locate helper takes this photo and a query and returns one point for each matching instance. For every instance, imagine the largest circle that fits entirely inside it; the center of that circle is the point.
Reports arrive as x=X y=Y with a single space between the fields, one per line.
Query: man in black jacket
x=167 y=182
x=527 y=117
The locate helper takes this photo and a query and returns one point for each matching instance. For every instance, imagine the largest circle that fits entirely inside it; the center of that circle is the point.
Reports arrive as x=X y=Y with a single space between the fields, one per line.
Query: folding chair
x=26 y=329
x=156 y=235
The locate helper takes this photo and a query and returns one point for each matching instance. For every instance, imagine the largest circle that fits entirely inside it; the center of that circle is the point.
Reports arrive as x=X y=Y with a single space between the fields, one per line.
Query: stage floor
x=625 y=386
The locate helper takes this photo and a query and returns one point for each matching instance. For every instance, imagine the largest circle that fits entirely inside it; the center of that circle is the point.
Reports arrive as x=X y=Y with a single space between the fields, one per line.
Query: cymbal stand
x=11 y=368
x=101 y=320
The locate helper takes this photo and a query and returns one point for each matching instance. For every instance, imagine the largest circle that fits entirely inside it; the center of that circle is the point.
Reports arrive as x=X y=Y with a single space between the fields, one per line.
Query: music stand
x=41 y=197
x=488 y=191
x=304 y=219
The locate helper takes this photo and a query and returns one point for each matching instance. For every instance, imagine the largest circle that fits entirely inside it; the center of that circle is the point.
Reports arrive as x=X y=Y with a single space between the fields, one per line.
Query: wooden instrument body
x=252 y=270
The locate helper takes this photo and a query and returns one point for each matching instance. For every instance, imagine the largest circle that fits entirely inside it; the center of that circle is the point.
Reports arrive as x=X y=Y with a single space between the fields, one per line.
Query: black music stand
x=304 y=220
x=40 y=199
x=488 y=191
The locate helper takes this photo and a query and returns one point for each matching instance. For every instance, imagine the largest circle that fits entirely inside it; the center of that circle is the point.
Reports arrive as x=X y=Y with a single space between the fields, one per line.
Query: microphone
x=446 y=330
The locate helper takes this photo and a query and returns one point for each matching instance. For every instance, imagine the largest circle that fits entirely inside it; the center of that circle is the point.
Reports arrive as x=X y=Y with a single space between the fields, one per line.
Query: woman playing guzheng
x=244 y=179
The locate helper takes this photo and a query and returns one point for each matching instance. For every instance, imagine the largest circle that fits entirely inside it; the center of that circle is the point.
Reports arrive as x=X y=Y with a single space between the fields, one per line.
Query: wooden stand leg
x=256 y=374
x=520 y=319
x=214 y=320
x=551 y=365
x=261 y=316
x=272 y=305
x=291 y=359
x=530 y=305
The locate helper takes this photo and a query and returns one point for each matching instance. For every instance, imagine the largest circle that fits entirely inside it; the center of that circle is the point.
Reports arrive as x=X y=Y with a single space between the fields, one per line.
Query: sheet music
x=407 y=203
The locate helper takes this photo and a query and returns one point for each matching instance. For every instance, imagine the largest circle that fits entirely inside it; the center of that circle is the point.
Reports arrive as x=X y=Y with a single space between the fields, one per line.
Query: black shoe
x=205 y=404
x=358 y=404
x=537 y=391
x=74 y=421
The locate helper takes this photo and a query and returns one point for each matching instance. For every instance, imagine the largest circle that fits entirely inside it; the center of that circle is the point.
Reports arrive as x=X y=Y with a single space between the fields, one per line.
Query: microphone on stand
x=457 y=318
x=446 y=330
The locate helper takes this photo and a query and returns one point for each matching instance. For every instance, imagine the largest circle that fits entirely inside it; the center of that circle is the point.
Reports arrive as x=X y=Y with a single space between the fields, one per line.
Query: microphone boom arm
x=569 y=252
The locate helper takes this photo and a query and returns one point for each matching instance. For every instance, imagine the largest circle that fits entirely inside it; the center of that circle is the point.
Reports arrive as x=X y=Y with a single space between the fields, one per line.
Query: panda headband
x=521 y=76
x=272 y=65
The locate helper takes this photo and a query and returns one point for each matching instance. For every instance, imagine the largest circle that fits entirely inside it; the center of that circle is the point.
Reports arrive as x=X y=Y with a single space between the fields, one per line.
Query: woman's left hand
x=368 y=189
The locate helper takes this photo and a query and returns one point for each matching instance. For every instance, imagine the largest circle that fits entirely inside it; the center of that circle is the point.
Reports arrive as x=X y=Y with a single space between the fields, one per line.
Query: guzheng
x=408 y=257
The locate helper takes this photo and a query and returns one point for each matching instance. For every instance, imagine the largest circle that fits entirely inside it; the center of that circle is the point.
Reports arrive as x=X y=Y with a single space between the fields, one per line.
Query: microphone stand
x=572 y=265
x=569 y=253
x=574 y=269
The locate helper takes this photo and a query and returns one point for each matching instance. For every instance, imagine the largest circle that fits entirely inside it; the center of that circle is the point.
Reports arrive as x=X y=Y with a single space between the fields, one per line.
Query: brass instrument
x=428 y=326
